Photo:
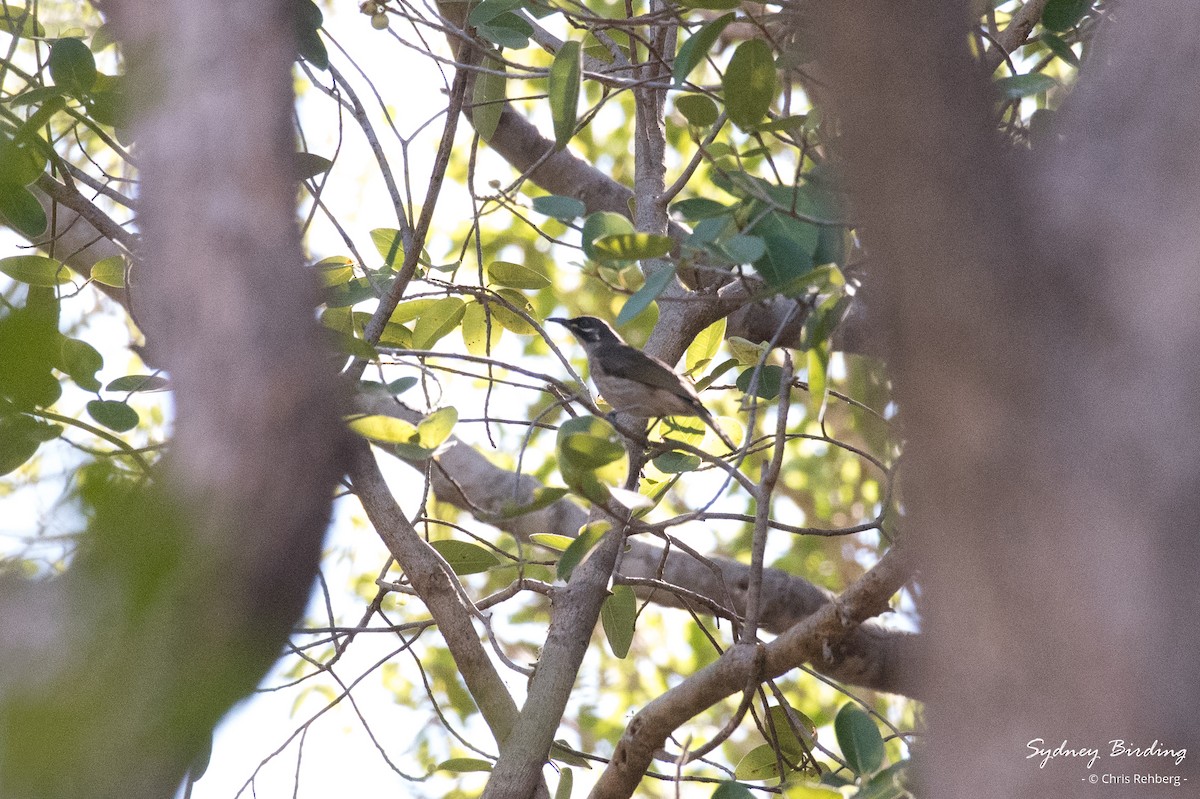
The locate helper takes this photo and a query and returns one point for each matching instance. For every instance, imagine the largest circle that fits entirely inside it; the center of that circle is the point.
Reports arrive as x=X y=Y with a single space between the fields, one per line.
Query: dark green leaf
x=36 y=270
x=787 y=258
x=488 y=97
x=112 y=414
x=506 y=30
x=1060 y=15
x=768 y=381
x=22 y=210
x=859 y=739
x=617 y=617
x=21 y=161
x=307 y=165
x=1060 y=48
x=655 y=283
x=72 y=66
x=400 y=385
x=1017 y=86
x=307 y=19
x=887 y=784
x=20 y=437
x=465 y=557
x=750 y=83
x=81 y=361
x=542 y=498
x=696 y=208
x=743 y=249
x=697 y=109
x=564 y=209
x=566 y=74
x=488 y=10
x=677 y=462
x=144 y=383
x=588 y=537
x=732 y=790
x=697 y=46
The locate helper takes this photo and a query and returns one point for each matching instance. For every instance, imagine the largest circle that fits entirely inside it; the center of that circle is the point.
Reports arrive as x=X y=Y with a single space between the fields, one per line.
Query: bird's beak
x=558 y=320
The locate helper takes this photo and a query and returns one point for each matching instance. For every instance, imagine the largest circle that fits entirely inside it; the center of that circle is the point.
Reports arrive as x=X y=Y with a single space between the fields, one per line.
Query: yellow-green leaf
x=465 y=557
x=566 y=74
x=631 y=246
x=750 y=83
x=384 y=429
x=442 y=317
x=390 y=244
x=588 y=537
x=552 y=540
x=435 y=428
x=514 y=321
x=476 y=330
x=696 y=48
x=110 y=271
x=36 y=270
x=705 y=346
x=517 y=276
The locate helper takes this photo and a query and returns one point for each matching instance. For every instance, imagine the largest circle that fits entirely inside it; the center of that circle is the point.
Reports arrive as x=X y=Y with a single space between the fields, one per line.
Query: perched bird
x=633 y=382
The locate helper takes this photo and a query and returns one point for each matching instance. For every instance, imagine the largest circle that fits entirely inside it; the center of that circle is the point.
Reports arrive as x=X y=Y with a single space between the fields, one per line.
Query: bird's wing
x=633 y=364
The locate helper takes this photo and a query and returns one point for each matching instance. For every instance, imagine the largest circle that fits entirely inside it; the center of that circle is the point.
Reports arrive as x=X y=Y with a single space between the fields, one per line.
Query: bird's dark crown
x=588 y=329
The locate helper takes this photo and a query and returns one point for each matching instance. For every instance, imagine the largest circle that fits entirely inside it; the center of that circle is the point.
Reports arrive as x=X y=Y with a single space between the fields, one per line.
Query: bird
x=633 y=382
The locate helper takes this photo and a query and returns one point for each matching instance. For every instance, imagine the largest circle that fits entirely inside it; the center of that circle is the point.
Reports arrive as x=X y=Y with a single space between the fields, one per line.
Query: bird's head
x=589 y=329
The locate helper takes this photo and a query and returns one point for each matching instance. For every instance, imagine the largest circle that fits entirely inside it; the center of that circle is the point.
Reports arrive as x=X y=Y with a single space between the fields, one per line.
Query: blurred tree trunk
x=181 y=598
x=1042 y=326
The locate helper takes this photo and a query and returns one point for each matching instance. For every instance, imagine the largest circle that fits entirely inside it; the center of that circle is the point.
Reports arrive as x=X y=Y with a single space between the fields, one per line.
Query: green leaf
x=566 y=74
x=744 y=249
x=1060 y=48
x=697 y=109
x=792 y=746
x=788 y=257
x=1061 y=15
x=768 y=381
x=759 y=764
x=133 y=383
x=113 y=414
x=1017 y=86
x=588 y=537
x=511 y=320
x=696 y=208
x=307 y=20
x=655 y=283
x=704 y=346
x=552 y=540
x=21 y=209
x=677 y=462
x=601 y=224
x=72 y=66
x=697 y=46
x=20 y=437
x=859 y=739
x=81 y=361
x=21 y=158
x=887 y=784
x=507 y=30
x=20 y=21
x=390 y=244
x=617 y=617
x=488 y=97
x=308 y=165
x=36 y=270
x=791 y=124
x=712 y=5
x=465 y=557
x=440 y=319
x=411 y=309
x=518 y=276
x=750 y=83
x=460 y=765
x=590 y=456
x=110 y=271
x=400 y=385
x=564 y=209
x=631 y=246
x=489 y=10
x=732 y=790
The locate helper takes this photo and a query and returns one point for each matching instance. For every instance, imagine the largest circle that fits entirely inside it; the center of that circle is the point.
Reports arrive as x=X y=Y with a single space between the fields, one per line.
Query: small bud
x=379 y=21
